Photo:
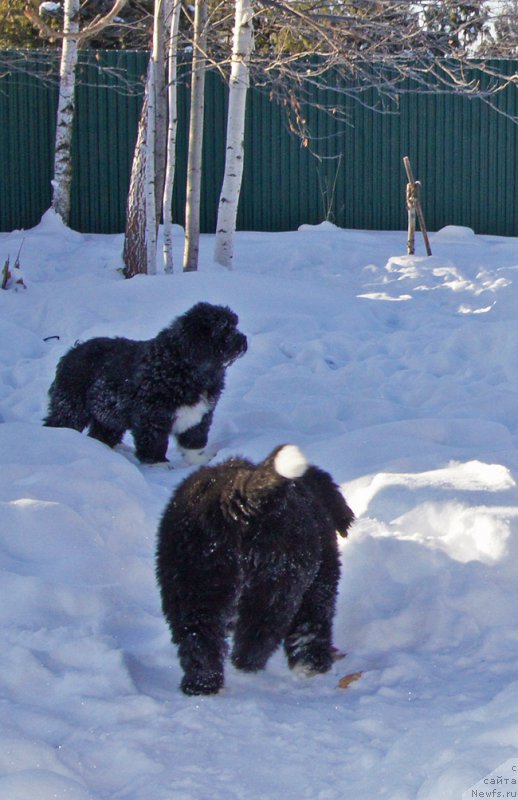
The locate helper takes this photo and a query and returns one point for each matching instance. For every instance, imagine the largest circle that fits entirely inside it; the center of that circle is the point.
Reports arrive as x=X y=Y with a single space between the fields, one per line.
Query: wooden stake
x=413 y=203
x=410 y=205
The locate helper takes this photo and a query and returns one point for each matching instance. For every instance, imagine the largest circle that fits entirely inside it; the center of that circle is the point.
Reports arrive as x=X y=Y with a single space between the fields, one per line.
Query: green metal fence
x=464 y=153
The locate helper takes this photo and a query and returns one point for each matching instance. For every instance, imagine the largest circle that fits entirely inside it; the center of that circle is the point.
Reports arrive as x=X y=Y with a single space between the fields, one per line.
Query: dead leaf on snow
x=346 y=681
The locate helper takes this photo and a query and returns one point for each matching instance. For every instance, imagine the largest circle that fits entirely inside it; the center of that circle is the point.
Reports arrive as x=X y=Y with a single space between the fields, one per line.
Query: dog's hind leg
x=308 y=647
x=201 y=652
x=264 y=616
x=308 y=643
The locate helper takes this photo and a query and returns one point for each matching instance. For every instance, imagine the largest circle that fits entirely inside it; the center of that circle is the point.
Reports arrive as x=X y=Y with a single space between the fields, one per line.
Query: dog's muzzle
x=240 y=346
x=235 y=348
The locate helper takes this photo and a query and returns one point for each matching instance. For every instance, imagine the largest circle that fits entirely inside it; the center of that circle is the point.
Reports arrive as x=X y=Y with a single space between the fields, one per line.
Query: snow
x=396 y=373
x=49 y=8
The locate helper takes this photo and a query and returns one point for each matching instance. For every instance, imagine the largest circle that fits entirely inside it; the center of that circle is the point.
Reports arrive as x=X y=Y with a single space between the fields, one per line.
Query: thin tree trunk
x=172 y=93
x=62 y=180
x=160 y=101
x=156 y=136
x=146 y=183
x=193 y=189
x=135 y=249
x=139 y=254
x=150 y=171
x=239 y=82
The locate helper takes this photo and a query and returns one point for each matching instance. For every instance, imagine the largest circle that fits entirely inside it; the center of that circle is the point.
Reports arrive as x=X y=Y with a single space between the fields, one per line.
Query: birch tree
x=148 y=168
x=150 y=209
x=194 y=160
x=242 y=46
x=172 y=94
x=376 y=44
x=62 y=180
x=71 y=39
x=134 y=254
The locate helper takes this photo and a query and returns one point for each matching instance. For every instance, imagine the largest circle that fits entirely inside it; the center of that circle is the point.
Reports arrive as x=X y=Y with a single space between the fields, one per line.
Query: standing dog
x=253 y=548
x=167 y=384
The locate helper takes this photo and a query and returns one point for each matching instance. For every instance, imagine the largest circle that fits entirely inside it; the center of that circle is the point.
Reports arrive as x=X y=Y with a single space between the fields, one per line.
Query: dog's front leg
x=151 y=442
x=193 y=441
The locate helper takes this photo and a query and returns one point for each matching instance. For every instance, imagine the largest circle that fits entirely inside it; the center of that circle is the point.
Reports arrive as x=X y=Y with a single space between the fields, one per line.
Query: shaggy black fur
x=153 y=387
x=253 y=548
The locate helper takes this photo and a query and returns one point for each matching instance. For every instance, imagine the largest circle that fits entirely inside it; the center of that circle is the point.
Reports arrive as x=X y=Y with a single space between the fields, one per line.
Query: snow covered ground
x=397 y=374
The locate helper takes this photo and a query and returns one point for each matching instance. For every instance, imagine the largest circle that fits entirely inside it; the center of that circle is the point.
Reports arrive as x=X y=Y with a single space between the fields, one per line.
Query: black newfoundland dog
x=167 y=384
x=251 y=549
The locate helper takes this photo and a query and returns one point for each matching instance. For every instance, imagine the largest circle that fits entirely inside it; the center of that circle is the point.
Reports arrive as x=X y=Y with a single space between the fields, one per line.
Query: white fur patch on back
x=290 y=462
x=188 y=416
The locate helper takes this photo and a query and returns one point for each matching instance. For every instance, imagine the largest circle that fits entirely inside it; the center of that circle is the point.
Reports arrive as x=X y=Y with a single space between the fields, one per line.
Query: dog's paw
x=207 y=683
x=307 y=670
x=249 y=663
x=197 y=458
x=337 y=654
x=316 y=665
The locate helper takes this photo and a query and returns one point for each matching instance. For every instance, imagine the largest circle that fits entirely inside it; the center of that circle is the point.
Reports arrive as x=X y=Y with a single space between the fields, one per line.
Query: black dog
x=167 y=384
x=253 y=548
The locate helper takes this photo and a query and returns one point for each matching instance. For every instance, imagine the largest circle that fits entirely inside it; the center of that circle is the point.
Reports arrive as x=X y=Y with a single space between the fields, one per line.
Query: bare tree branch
x=92 y=29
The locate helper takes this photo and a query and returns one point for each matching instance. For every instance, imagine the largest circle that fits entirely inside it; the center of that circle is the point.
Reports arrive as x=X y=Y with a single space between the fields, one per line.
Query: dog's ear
x=198 y=320
x=224 y=321
x=207 y=320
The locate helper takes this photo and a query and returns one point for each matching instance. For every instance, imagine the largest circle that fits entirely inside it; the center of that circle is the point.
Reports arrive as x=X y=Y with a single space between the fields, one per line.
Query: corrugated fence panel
x=27 y=119
x=213 y=149
x=463 y=152
x=109 y=99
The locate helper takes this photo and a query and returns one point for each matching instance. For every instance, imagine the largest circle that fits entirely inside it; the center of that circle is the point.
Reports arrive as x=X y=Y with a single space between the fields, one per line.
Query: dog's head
x=212 y=334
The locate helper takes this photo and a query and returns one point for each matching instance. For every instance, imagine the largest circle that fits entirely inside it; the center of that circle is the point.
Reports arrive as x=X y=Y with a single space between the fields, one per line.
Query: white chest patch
x=188 y=416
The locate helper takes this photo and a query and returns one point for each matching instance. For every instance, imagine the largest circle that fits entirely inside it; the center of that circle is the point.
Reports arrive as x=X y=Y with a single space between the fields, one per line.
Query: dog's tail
x=288 y=461
x=253 y=489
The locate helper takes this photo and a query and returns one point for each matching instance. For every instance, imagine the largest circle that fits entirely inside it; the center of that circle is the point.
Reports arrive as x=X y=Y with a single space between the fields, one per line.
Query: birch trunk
x=193 y=188
x=139 y=254
x=62 y=179
x=135 y=242
x=243 y=41
x=149 y=171
x=173 y=25
x=146 y=183
x=160 y=102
